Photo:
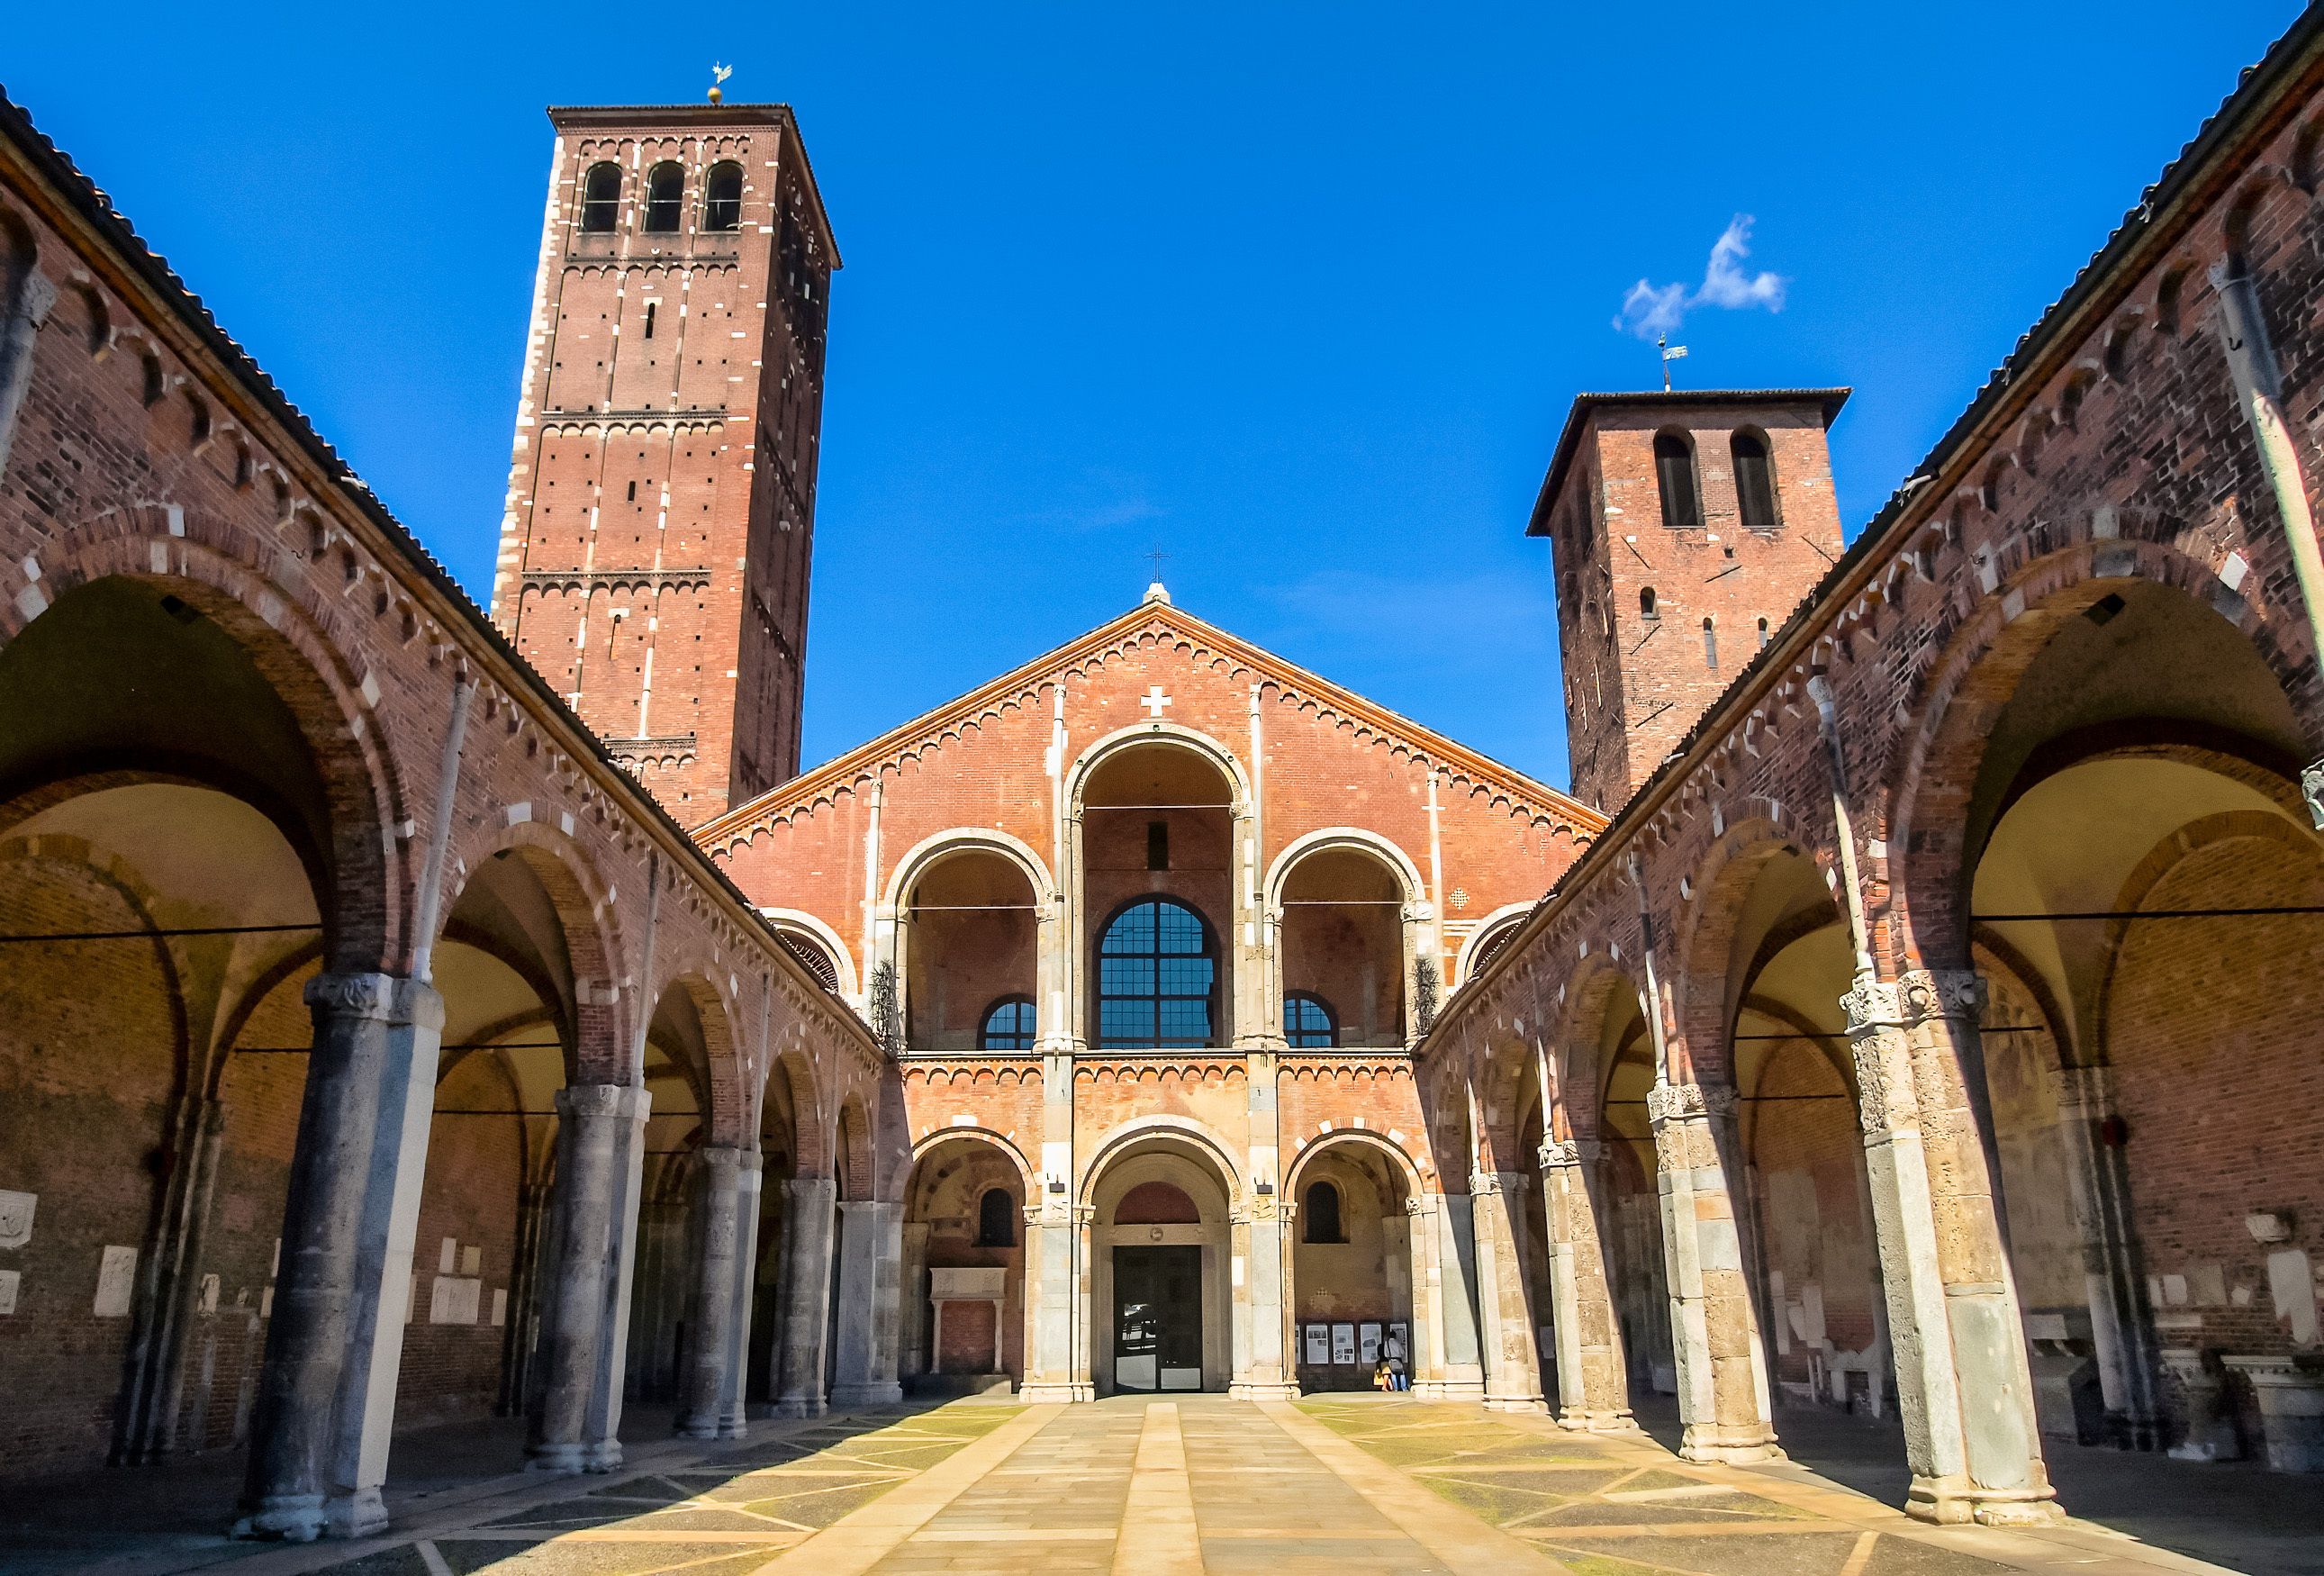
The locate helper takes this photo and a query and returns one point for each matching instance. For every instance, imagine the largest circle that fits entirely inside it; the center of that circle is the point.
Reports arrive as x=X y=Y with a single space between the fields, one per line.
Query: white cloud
x=1649 y=311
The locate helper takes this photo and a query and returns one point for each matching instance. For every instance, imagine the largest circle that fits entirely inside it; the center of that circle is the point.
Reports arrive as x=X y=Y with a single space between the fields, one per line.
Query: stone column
x=717 y=1255
x=20 y=330
x=732 y=1402
x=806 y=1296
x=2212 y=1433
x=914 y=1315
x=2121 y=1332
x=1263 y=1369
x=326 y=1393
x=1451 y=1245
x=1057 y=1360
x=601 y=1447
x=1722 y=1377
x=1962 y=1381
x=870 y=1246
x=1512 y=1356
x=594 y=1149
x=1424 y=1356
x=1594 y=1390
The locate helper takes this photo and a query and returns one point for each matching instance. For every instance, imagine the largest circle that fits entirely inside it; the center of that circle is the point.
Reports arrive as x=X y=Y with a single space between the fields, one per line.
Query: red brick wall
x=475 y=1167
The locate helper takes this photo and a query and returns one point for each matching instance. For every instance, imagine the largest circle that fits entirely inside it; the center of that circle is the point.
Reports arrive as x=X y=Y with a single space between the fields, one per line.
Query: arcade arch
x=1354 y=1285
x=1161 y=1311
x=964 y=1312
x=971 y=913
x=1343 y=908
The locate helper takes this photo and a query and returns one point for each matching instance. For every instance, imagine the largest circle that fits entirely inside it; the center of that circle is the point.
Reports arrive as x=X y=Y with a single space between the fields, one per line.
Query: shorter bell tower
x=1685 y=527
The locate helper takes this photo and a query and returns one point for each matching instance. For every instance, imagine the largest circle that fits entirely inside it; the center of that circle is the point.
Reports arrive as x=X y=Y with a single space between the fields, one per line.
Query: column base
x=700 y=1428
x=734 y=1426
x=1449 y=1390
x=561 y=1459
x=1574 y=1421
x=1956 y=1501
x=604 y=1455
x=1268 y=1390
x=1729 y=1444
x=1532 y=1404
x=1053 y=1393
x=880 y=1393
x=2290 y=1392
x=290 y=1519
x=358 y=1514
x=797 y=1406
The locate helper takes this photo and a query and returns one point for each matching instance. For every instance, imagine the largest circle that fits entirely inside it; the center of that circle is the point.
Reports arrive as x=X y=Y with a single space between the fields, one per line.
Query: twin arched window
x=1755 y=482
x=1675 y=476
x=996 y=1223
x=1319 y=1215
x=722 y=197
x=1008 y=1025
x=665 y=198
x=1158 y=975
x=600 y=198
x=1308 y=1022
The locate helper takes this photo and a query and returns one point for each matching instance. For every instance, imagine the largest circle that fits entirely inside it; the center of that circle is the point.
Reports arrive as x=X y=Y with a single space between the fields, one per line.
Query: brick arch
x=852 y=1144
x=1918 y=896
x=602 y=1025
x=810 y=1135
x=308 y=653
x=725 y=1101
x=1590 y=993
x=2167 y=856
x=1723 y=882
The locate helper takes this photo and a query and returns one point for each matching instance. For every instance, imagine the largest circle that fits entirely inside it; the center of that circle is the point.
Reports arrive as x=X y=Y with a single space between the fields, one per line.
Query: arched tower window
x=1646 y=603
x=996 y=1219
x=600 y=198
x=665 y=197
x=1710 y=644
x=1158 y=972
x=1319 y=1215
x=1308 y=1021
x=1675 y=475
x=721 y=196
x=1755 y=481
x=1008 y=1025
x=811 y=954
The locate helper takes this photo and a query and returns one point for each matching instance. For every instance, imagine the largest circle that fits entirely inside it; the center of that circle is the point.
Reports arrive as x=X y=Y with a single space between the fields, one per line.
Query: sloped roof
x=1160 y=617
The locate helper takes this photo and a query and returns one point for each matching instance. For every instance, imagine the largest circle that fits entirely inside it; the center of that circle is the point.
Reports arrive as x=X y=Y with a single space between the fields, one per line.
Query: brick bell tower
x=1685 y=528
x=660 y=519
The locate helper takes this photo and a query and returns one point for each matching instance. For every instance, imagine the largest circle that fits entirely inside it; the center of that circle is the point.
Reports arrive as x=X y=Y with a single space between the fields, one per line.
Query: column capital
x=1421 y=1203
x=1484 y=1182
x=389 y=999
x=721 y=1158
x=583 y=1101
x=1917 y=997
x=2084 y=1090
x=1563 y=1153
x=1674 y=1102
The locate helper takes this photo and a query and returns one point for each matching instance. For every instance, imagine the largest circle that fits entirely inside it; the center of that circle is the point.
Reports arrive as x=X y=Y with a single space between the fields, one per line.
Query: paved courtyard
x=1353 y=1486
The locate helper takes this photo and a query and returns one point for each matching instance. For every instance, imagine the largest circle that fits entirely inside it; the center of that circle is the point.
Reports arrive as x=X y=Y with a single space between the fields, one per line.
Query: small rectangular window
x=1157 y=845
x=650 y=309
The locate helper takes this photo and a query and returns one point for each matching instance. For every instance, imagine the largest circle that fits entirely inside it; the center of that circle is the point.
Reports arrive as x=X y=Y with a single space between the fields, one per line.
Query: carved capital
x=1670 y=1102
x=2083 y=1094
x=1917 y=997
x=1482 y=1182
x=35 y=298
x=385 y=998
x=1558 y=1153
x=1420 y=1204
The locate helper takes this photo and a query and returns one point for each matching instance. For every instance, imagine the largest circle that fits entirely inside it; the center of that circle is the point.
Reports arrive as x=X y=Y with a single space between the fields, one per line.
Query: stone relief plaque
x=116 y=1281
x=16 y=1218
x=9 y=1278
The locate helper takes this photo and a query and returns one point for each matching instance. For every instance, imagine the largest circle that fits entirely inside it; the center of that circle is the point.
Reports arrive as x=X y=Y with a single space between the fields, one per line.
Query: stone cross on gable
x=1154 y=700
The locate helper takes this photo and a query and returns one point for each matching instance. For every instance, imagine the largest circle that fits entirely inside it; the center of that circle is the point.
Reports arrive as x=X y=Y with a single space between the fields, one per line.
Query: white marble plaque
x=116 y=1282
x=454 y=1300
x=207 y=1301
x=8 y=1282
x=471 y=1260
x=16 y=1218
x=500 y=1305
x=448 y=1260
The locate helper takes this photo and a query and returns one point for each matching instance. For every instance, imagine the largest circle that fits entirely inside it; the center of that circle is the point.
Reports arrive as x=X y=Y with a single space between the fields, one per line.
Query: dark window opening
x=722 y=197
x=1646 y=603
x=1308 y=1021
x=996 y=1219
x=1157 y=845
x=1709 y=645
x=600 y=198
x=651 y=308
x=1755 y=482
x=1008 y=1025
x=1675 y=475
x=665 y=197
x=1762 y=634
x=1320 y=1214
x=1157 y=971
x=633 y=492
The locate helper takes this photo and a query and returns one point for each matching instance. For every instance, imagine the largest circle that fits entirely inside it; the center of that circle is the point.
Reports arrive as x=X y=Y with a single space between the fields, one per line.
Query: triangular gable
x=1156 y=617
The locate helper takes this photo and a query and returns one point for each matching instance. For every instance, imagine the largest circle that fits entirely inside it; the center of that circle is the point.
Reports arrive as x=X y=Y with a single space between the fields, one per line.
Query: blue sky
x=1296 y=294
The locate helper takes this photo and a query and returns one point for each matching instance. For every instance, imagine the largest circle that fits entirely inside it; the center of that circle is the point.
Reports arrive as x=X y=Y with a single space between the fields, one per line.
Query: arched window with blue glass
x=1308 y=1021
x=1008 y=1025
x=1157 y=978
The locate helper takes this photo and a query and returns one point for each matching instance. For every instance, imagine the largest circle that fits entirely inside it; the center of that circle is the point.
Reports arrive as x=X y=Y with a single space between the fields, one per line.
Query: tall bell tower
x=660 y=520
x=1686 y=527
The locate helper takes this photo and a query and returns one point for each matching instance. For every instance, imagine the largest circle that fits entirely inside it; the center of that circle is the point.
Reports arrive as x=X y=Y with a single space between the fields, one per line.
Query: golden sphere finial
x=718 y=75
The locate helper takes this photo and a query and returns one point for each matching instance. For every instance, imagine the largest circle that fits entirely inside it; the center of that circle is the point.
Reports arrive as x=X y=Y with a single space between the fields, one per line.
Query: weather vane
x=1670 y=353
x=718 y=75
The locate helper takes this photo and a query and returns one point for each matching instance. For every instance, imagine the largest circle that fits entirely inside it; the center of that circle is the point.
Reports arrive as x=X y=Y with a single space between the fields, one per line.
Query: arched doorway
x=964 y=1315
x=1351 y=1282
x=1162 y=1312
